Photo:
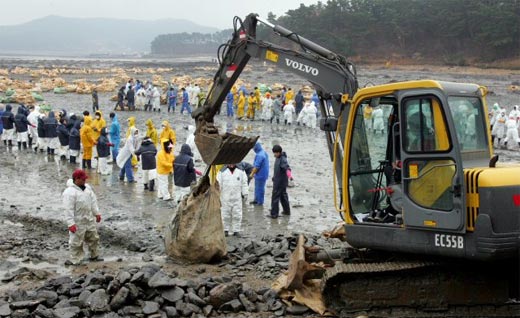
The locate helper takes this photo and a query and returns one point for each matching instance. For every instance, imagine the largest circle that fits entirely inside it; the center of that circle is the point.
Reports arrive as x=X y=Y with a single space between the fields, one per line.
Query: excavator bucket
x=221 y=149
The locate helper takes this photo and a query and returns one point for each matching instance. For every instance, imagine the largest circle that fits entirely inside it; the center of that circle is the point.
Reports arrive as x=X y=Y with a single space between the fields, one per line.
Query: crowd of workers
x=93 y=138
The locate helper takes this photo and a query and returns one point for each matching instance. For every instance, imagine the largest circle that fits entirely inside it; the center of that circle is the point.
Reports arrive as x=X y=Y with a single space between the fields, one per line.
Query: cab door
x=432 y=174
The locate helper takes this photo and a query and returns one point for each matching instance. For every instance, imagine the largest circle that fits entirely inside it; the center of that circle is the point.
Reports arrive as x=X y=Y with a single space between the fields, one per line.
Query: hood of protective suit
x=147 y=141
x=166 y=124
x=191 y=129
x=70 y=183
x=20 y=110
x=283 y=154
x=98 y=112
x=131 y=121
x=186 y=149
x=77 y=124
x=149 y=123
x=258 y=147
x=51 y=114
x=87 y=120
x=63 y=113
x=133 y=131
x=103 y=131
x=8 y=107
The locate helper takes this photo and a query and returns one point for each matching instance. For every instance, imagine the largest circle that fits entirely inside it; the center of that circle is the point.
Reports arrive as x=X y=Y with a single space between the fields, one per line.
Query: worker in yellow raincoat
x=88 y=140
x=241 y=104
x=151 y=132
x=251 y=106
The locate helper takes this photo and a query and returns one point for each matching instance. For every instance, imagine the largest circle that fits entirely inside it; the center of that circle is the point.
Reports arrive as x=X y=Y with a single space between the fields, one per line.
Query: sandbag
x=196 y=233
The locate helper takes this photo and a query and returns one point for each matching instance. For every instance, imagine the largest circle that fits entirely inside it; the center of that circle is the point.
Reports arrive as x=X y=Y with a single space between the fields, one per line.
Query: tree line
x=446 y=31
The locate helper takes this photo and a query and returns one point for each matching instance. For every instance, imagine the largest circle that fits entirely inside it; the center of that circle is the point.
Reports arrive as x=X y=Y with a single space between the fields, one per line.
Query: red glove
x=198 y=172
x=73 y=228
x=98 y=218
x=110 y=144
x=289 y=174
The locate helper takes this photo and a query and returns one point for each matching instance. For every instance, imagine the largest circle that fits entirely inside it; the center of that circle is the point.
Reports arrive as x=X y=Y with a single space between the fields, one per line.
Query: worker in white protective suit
x=499 y=128
x=190 y=141
x=288 y=112
x=156 y=99
x=309 y=116
x=82 y=214
x=267 y=107
x=233 y=192
x=512 y=131
x=378 y=123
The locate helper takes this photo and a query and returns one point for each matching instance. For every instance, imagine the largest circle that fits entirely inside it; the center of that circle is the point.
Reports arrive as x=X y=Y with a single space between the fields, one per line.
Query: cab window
x=468 y=117
x=424 y=125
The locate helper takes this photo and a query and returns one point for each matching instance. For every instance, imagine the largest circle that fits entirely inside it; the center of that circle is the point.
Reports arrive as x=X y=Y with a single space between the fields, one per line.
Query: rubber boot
x=285 y=122
x=277 y=121
x=19 y=145
x=30 y=142
x=151 y=185
x=52 y=152
x=24 y=145
x=89 y=163
x=48 y=150
x=10 y=142
x=63 y=157
x=83 y=164
x=146 y=186
x=72 y=159
x=5 y=143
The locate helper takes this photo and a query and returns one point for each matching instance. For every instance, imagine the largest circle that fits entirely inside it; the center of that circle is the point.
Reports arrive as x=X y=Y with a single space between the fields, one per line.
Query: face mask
x=98 y=117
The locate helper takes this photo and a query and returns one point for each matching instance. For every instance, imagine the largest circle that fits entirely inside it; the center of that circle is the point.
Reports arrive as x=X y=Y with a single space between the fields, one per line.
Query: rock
x=297 y=310
x=160 y=279
x=232 y=306
x=189 y=309
x=133 y=291
x=98 y=301
x=43 y=312
x=131 y=310
x=263 y=251
x=119 y=298
x=25 y=304
x=173 y=294
x=59 y=281
x=207 y=310
x=106 y=315
x=113 y=287
x=123 y=277
x=170 y=311
x=68 y=312
x=64 y=289
x=194 y=299
x=64 y=303
x=138 y=277
x=222 y=293
x=5 y=311
x=262 y=307
x=83 y=297
x=94 y=279
x=50 y=297
x=248 y=306
x=150 y=307
x=274 y=305
x=17 y=295
x=77 y=291
x=270 y=296
x=21 y=313
x=147 y=258
x=280 y=312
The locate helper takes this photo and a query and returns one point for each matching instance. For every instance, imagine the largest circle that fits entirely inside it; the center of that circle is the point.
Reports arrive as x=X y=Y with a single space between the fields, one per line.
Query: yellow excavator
x=431 y=219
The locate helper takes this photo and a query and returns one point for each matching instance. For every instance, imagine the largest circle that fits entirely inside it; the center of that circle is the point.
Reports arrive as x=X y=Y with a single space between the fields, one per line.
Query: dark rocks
x=194 y=299
x=5 y=310
x=150 y=307
x=21 y=313
x=50 y=297
x=232 y=306
x=123 y=277
x=119 y=298
x=248 y=305
x=161 y=279
x=43 y=312
x=297 y=310
x=68 y=312
x=174 y=294
x=98 y=301
x=25 y=304
x=170 y=311
x=222 y=293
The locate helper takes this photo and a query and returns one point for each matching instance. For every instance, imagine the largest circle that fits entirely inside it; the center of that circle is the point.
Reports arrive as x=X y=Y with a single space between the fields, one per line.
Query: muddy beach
x=33 y=234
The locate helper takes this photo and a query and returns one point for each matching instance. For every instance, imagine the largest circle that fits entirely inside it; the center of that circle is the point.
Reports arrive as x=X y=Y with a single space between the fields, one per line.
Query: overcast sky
x=214 y=13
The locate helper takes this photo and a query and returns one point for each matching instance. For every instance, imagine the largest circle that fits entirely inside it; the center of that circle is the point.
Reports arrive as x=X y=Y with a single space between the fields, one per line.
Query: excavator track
x=417 y=288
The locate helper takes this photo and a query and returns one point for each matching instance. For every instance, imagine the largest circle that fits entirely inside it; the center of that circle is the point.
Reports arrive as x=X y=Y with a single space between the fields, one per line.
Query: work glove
x=289 y=175
x=198 y=172
x=73 y=228
x=98 y=218
x=110 y=144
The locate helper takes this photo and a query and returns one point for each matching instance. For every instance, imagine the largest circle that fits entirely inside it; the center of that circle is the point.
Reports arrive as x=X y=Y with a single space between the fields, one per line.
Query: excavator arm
x=333 y=77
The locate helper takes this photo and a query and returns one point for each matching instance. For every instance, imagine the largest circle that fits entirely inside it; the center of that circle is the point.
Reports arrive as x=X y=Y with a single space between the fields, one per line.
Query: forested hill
x=445 y=31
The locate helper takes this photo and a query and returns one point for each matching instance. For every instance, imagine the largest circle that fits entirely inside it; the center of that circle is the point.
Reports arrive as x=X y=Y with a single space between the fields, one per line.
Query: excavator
x=431 y=219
